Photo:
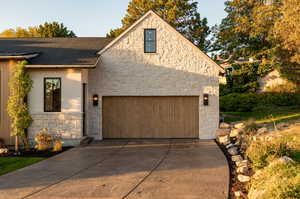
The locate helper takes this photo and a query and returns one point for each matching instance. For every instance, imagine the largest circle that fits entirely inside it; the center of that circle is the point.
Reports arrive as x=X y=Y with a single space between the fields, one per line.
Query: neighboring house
x=150 y=82
x=274 y=82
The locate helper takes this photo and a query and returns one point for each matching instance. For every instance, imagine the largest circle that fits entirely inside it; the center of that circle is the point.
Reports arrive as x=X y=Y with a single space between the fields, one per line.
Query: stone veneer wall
x=177 y=69
x=69 y=121
x=69 y=125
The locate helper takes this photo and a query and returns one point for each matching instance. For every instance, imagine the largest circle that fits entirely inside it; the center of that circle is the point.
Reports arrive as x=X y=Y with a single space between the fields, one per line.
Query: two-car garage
x=150 y=117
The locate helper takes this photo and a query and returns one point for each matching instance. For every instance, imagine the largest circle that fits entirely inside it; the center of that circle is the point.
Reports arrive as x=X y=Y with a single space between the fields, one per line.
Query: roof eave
x=19 y=57
x=60 y=66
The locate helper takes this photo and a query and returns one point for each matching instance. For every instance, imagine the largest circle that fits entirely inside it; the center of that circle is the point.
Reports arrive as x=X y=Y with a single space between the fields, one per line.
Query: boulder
x=237 y=142
x=282 y=125
x=236 y=158
x=233 y=151
x=262 y=131
x=243 y=178
x=238 y=194
x=235 y=132
x=240 y=125
x=224 y=139
x=242 y=169
x=222 y=132
x=241 y=163
x=229 y=146
x=286 y=159
x=224 y=125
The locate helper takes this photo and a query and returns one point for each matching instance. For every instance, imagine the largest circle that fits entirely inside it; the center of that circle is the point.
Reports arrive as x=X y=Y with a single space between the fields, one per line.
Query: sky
x=87 y=18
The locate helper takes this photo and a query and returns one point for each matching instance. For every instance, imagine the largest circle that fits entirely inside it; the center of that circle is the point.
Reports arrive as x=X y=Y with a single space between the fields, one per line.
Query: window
x=150 y=41
x=52 y=94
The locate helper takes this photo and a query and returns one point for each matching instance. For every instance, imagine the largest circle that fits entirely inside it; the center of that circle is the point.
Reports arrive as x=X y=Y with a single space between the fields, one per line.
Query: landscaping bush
x=245 y=102
x=238 y=102
x=280 y=99
x=43 y=140
x=261 y=151
x=277 y=181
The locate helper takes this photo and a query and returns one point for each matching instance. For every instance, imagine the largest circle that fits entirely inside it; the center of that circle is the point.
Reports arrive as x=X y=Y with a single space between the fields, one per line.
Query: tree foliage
x=244 y=78
x=246 y=30
x=53 y=29
x=20 y=85
x=266 y=31
x=287 y=31
x=182 y=15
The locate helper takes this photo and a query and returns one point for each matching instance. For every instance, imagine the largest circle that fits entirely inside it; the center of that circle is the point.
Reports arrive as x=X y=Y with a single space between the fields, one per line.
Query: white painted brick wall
x=177 y=69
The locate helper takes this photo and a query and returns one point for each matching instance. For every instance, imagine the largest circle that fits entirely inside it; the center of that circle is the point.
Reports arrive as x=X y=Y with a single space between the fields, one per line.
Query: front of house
x=150 y=82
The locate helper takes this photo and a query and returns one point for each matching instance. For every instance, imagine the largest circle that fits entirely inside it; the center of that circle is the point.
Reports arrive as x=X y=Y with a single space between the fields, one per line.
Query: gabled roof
x=54 y=51
x=151 y=12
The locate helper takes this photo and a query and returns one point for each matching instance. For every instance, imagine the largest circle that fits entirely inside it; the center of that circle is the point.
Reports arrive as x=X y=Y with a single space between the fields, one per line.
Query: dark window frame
x=155 y=40
x=60 y=95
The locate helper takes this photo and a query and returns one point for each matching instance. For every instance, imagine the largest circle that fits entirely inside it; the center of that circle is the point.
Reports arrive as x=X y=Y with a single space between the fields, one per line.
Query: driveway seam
x=76 y=173
x=152 y=170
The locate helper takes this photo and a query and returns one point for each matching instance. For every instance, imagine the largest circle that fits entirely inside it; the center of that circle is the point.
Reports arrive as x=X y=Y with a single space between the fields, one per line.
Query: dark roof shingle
x=56 y=51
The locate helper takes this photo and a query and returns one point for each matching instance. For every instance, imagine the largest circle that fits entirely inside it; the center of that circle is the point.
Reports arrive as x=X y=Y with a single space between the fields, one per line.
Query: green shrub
x=245 y=102
x=280 y=99
x=264 y=150
x=277 y=181
x=238 y=102
x=224 y=90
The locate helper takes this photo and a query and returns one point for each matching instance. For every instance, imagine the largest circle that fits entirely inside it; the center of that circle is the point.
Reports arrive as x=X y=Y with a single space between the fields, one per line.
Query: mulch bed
x=34 y=153
x=234 y=184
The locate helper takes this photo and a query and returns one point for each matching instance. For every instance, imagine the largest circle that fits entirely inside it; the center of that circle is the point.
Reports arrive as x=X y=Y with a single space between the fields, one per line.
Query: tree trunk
x=16 y=143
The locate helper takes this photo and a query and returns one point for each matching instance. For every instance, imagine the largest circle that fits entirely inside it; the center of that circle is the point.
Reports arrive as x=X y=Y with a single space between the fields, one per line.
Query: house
x=150 y=82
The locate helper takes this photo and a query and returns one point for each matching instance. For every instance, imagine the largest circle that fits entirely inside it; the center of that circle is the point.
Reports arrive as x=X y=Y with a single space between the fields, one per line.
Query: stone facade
x=177 y=69
x=69 y=125
x=68 y=122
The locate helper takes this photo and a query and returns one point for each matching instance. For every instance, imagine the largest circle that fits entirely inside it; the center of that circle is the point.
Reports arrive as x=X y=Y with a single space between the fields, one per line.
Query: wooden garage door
x=150 y=117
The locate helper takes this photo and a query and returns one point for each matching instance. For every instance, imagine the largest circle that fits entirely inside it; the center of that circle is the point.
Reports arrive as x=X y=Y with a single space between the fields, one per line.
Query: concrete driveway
x=166 y=169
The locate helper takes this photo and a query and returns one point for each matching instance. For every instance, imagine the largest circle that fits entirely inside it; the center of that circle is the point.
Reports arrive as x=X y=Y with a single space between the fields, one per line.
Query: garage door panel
x=150 y=117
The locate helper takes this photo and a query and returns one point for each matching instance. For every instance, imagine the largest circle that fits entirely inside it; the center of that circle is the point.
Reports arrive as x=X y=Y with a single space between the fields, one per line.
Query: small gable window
x=52 y=94
x=150 y=40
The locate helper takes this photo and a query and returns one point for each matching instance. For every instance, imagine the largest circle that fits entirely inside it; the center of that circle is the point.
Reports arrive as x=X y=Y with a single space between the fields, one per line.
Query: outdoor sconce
x=205 y=100
x=95 y=100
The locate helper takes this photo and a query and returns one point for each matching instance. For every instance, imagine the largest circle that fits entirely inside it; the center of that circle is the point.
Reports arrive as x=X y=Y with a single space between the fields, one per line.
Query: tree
x=53 y=29
x=287 y=31
x=20 y=85
x=181 y=14
x=247 y=29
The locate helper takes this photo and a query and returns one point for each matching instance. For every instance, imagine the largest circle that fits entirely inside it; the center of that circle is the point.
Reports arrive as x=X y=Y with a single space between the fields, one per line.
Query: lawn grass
x=265 y=114
x=9 y=164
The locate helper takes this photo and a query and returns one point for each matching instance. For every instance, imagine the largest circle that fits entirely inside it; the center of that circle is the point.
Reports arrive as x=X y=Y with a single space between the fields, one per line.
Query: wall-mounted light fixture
x=205 y=99
x=95 y=100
